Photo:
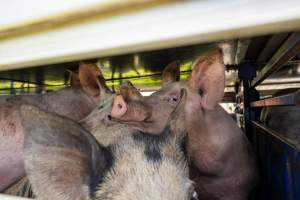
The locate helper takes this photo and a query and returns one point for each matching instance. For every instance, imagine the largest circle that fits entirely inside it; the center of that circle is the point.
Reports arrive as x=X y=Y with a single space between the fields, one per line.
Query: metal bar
x=241 y=50
x=144 y=76
x=228 y=97
x=284 y=100
x=229 y=51
x=288 y=50
x=20 y=88
x=272 y=45
x=279 y=83
x=293 y=62
x=11 y=90
x=22 y=81
x=273 y=133
x=246 y=72
x=247 y=110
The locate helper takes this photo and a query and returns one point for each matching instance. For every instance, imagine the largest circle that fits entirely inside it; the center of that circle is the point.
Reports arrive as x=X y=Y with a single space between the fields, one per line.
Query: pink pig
x=74 y=102
x=222 y=162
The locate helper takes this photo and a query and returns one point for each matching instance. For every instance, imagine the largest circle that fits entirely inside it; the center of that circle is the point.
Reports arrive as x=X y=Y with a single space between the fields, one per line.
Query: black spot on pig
x=152 y=145
x=153 y=152
x=97 y=178
x=26 y=191
x=183 y=146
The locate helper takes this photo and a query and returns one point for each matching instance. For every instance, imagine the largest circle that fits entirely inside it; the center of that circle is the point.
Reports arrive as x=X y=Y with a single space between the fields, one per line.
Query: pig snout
x=119 y=107
x=131 y=111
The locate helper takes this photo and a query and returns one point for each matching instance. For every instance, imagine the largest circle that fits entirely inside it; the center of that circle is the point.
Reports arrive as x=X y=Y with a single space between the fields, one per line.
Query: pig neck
x=222 y=158
x=146 y=167
x=112 y=134
x=69 y=102
x=216 y=141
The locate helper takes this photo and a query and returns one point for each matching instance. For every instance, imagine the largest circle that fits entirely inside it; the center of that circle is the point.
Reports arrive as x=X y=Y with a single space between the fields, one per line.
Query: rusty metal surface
x=292 y=99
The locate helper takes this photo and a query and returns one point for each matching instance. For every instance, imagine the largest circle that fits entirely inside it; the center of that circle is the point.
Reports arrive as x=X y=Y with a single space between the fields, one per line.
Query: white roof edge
x=9 y=197
x=183 y=23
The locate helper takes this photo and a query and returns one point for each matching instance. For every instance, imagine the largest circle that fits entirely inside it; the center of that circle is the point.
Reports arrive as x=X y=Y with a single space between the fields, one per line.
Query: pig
x=64 y=161
x=222 y=162
x=97 y=122
x=74 y=102
x=283 y=119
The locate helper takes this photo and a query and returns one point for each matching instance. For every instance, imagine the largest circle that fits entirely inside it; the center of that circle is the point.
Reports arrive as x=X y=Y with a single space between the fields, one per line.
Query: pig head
x=108 y=131
x=222 y=161
x=75 y=102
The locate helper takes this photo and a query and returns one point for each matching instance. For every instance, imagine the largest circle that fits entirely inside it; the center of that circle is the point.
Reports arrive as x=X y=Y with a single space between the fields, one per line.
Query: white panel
x=7 y=197
x=16 y=12
x=166 y=26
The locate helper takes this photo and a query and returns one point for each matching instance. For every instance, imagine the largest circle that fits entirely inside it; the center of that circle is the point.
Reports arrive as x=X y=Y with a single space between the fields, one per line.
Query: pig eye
x=109 y=117
x=173 y=99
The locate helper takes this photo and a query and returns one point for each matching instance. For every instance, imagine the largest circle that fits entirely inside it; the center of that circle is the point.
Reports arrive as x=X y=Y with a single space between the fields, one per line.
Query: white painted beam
x=16 y=12
x=8 y=197
x=178 y=24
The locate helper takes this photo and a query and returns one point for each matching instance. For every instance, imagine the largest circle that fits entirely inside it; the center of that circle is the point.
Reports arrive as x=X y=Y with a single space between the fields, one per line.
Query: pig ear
x=92 y=80
x=129 y=92
x=171 y=73
x=208 y=78
x=74 y=79
x=62 y=160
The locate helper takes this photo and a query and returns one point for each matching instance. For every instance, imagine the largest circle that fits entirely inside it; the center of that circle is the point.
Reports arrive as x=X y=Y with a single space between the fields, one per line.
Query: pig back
x=12 y=137
x=146 y=167
x=69 y=102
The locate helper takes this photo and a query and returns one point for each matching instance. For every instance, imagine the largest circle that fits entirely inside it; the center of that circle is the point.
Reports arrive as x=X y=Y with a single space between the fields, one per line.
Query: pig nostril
x=201 y=92
x=109 y=117
x=120 y=106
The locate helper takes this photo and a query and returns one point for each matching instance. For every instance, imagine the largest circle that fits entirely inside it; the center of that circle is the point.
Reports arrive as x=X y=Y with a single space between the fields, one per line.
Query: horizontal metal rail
x=275 y=134
x=24 y=81
x=287 y=51
x=292 y=99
